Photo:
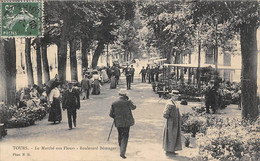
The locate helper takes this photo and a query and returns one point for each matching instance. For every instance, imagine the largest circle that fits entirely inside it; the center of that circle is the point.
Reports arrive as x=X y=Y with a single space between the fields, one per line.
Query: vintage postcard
x=147 y=80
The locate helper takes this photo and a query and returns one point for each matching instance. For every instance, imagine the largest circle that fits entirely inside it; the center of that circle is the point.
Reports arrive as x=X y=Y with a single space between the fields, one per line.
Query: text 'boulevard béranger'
x=75 y=148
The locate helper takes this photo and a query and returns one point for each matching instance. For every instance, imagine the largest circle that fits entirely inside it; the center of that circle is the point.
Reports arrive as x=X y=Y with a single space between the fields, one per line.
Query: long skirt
x=96 y=87
x=104 y=76
x=55 y=112
x=113 y=82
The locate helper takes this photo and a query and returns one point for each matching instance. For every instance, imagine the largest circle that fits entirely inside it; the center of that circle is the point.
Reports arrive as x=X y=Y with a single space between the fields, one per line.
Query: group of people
x=151 y=73
x=67 y=98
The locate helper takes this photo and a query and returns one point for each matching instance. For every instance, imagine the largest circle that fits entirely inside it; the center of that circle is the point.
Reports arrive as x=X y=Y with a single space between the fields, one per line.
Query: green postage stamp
x=21 y=19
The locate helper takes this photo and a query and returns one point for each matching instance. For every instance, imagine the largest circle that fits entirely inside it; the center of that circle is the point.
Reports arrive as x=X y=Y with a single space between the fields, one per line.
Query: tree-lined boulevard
x=189 y=51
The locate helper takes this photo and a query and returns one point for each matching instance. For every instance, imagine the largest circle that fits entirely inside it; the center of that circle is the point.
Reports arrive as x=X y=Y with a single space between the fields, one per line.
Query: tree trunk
x=2 y=72
x=73 y=60
x=170 y=56
x=177 y=60
x=189 y=70
x=62 y=50
x=249 y=71
x=107 y=56
x=62 y=60
x=198 y=69
x=45 y=63
x=29 y=62
x=84 y=57
x=97 y=53
x=182 y=70
x=8 y=71
x=85 y=50
x=39 y=63
x=125 y=56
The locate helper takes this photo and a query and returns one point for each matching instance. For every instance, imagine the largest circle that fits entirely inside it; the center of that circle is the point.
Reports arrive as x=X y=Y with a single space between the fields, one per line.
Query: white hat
x=122 y=92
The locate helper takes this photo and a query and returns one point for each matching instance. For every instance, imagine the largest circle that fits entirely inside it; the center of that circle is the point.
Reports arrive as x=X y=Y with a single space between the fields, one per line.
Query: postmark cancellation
x=21 y=19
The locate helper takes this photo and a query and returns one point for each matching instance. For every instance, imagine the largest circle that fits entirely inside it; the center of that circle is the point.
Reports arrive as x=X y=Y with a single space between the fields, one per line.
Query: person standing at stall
x=157 y=72
x=172 y=128
x=152 y=74
x=211 y=97
x=72 y=104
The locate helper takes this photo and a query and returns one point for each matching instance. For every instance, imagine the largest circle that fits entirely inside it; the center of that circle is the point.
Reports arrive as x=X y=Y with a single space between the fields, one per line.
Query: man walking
x=132 y=71
x=71 y=103
x=121 y=113
x=85 y=86
x=128 y=76
x=143 y=72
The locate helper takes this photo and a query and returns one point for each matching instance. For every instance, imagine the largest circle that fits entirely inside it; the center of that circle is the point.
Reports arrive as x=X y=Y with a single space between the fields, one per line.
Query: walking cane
x=110 y=131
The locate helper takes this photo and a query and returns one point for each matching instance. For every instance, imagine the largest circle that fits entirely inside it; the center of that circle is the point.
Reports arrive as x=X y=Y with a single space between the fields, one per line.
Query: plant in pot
x=187 y=141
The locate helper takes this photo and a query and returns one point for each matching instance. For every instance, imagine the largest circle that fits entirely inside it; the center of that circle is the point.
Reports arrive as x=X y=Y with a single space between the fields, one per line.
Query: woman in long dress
x=96 y=83
x=54 y=99
x=104 y=76
x=113 y=80
x=172 y=129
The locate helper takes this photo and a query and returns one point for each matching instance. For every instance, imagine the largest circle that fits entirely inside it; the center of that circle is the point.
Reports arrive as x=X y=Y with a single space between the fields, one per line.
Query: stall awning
x=220 y=67
x=159 y=60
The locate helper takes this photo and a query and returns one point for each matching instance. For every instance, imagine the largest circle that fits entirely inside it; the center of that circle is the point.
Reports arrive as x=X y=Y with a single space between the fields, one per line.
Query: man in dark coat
x=210 y=97
x=71 y=103
x=157 y=72
x=143 y=72
x=85 y=86
x=121 y=113
x=148 y=72
x=128 y=76
x=132 y=71
x=152 y=71
x=117 y=73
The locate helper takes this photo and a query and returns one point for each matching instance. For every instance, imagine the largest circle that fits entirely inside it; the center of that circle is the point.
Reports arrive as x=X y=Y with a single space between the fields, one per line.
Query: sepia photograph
x=137 y=80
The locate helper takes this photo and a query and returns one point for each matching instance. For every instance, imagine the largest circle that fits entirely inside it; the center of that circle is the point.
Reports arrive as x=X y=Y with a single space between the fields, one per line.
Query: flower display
x=193 y=123
x=230 y=139
x=22 y=117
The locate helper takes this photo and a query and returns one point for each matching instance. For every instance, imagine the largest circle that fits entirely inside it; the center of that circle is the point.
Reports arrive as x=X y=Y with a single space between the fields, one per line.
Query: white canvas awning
x=220 y=67
x=159 y=60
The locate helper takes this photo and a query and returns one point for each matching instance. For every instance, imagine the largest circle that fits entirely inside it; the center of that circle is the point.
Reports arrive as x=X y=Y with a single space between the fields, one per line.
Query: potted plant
x=187 y=141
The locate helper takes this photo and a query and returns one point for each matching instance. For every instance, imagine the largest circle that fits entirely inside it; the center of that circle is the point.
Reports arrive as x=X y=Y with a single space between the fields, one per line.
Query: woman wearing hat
x=54 y=99
x=172 y=128
x=96 y=83
x=113 y=81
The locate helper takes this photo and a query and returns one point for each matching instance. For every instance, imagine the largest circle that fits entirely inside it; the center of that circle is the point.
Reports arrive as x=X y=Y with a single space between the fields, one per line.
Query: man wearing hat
x=128 y=76
x=132 y=71
x=210 y=96
x=121 y=113
x=85 y=86
x=71 y=103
